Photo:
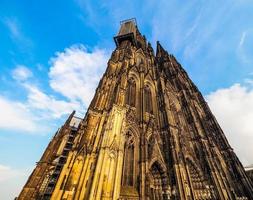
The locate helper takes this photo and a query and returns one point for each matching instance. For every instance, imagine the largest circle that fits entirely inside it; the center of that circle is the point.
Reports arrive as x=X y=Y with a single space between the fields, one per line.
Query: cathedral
x=148 y=134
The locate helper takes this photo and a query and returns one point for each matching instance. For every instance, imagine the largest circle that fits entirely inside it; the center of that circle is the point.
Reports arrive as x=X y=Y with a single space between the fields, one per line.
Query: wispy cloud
x=11 y=181
x=13 y=28
x=21 y=73
x=26 y=116
x=47 y=106
x=195 y=24
x=244 y=48
x=189 y=27
x=16 y=33
x=16 y=116
x=7 y=173
x=242 y=38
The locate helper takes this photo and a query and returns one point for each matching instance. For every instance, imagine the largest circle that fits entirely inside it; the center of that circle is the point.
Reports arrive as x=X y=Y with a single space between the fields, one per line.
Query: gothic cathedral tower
x=148 y=134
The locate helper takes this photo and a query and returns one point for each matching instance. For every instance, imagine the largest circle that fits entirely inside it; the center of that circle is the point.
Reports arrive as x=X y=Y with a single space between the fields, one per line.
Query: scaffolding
x=53 y=174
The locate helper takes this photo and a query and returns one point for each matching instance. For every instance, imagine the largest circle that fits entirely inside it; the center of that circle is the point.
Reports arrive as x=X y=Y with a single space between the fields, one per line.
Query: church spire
x=160 y=51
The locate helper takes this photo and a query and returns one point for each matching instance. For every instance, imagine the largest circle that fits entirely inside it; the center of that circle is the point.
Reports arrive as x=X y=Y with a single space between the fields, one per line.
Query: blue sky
x=52 y=54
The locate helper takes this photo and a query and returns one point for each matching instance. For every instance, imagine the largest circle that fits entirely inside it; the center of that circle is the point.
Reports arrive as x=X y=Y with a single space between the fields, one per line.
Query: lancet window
x=131 y=93
x=128 y=168
x=148 y=100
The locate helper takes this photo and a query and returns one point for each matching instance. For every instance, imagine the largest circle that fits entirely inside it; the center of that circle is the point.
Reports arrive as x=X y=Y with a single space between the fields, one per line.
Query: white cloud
x=21 y=73
x=7 y=173
x=49 y=106
x=35 y=115
x=75 y=72
x=233 y=108
x=15 y=116
x=11 y=181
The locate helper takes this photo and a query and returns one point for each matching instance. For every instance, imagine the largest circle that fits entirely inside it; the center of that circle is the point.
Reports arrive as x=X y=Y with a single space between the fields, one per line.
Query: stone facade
x=147 y=134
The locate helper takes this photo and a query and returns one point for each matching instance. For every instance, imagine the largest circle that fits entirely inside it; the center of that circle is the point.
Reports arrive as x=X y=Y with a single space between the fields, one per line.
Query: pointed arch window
x=148 y=100
x=128 y=168
x=158 y=183
x=131 y=93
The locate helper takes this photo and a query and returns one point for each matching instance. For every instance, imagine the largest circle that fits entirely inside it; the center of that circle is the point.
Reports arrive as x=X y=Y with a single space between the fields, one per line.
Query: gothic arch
x=133 y=128
x=140 y=61
x=128 y=164
x=140 y=54
x=150 y=84
x=133 y=74
x=148 y=81
x=158 y=181
x=131 y=158
x=158 y=161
